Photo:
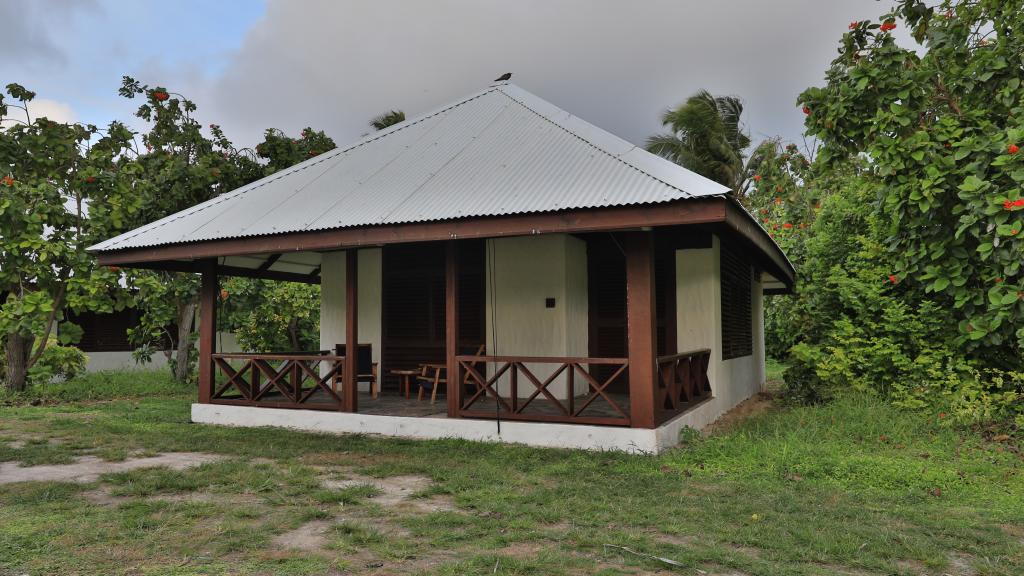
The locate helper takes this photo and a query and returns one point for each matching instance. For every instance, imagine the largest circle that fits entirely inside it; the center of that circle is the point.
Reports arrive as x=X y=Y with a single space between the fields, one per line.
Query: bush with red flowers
x=927 y=236
x=940 y=123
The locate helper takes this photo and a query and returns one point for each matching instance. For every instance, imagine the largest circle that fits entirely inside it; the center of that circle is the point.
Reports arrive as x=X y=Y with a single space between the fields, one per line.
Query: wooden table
x=406 y=379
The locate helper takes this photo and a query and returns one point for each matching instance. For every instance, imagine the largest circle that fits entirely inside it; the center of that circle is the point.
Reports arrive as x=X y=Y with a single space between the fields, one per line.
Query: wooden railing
x=682 y=382
x=507 y=387
x=291 y=380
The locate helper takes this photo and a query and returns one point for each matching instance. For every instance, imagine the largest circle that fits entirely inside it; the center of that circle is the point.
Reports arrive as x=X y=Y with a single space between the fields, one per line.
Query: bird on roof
x=504 y=77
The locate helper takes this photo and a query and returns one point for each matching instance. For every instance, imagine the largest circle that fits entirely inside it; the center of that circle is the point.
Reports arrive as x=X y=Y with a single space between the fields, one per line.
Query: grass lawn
x=855 y=487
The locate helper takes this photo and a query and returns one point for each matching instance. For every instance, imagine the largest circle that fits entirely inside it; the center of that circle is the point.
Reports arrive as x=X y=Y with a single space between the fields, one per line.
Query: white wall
x=699 y=325
x=106 y=361
x=526 y=271
x=332 y=300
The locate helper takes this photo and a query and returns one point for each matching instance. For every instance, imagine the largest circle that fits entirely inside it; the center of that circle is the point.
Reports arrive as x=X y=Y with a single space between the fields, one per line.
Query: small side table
x=406 y=382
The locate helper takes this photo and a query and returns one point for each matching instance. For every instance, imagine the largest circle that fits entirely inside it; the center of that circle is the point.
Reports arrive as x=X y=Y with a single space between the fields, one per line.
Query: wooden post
x=208 y=293
x=453 y=394
x=350 y=394
x=640 y=318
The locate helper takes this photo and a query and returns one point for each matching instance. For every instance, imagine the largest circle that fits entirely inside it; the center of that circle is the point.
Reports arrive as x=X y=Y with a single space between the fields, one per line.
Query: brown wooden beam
x=451 y=332
x=640 y=328
x=350 y=396
x=693 y=211
x=197 y=267
x=208 y=293
x=269 y=262
x=739 y=220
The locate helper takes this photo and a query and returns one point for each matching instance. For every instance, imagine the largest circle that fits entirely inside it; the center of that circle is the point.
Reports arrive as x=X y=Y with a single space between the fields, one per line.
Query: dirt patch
x=1013 y=531
x=103 y=497
x=311 y=536
x=677 y=540
x=961 y=565
x=89 y=468
x=753 y=406
x=396 y=491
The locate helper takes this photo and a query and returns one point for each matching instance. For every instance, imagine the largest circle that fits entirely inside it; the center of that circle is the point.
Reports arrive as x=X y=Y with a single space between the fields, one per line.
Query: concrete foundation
x=539 y=434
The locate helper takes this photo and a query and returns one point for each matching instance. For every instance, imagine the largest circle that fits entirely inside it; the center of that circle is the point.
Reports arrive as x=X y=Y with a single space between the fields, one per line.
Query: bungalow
x=553 y=283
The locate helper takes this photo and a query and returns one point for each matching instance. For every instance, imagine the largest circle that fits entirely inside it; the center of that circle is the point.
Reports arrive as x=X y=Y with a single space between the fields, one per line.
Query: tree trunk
x=186 y=318
x=293 y=334
x=17 y=349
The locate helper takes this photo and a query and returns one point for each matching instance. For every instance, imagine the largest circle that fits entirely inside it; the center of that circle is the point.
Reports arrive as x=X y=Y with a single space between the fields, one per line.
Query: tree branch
x=58 y=303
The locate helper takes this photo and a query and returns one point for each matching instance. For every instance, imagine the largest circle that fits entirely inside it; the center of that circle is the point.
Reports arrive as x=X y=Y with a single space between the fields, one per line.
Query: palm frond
x=387 y=119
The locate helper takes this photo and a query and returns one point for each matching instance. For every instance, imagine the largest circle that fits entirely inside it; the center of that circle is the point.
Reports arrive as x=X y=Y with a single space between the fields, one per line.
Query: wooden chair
x=430 y=378
x=366 y=368
x=433 y=375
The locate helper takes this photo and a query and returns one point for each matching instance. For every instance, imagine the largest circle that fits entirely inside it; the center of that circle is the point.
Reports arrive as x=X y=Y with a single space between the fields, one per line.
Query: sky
x=250 y=65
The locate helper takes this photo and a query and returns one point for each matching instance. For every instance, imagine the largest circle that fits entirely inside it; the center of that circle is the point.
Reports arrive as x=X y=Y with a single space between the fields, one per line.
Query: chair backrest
x=364 y=357
x=473 y=350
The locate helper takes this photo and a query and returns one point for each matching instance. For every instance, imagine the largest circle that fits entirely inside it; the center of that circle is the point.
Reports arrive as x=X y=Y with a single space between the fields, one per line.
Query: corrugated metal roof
x=499 y=151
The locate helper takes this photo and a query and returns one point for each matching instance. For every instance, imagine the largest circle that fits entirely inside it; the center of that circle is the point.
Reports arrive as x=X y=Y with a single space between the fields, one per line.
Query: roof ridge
x=590 y=143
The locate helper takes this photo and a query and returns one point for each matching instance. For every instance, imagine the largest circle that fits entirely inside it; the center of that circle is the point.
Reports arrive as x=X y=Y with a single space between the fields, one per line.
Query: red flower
x=999 y=280
x=778 y=200
x=8 y=181
x=1019 y=202
x=113 y=268
x=1008 y=205
x=853 y=25
x=893 y=279
x=1013 y=149
x=757 y=177
x=1014 y=232
x=765 y=220
x=890 y=25
x=160 y=95
x=806 y=110
x=787 y=225
x=764 y=210
x=223 y=294
x=90 y=179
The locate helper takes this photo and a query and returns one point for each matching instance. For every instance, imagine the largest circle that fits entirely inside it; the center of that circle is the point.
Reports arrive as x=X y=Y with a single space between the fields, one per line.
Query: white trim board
x=539 y=434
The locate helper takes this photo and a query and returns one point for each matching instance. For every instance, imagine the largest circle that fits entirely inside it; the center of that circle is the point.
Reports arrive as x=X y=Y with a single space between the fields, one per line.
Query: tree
x=942 y=125
x=387 y=119
x=271 y=316
x=180 y=168
x=60 y=192
x=282 y=151
x=705 y=136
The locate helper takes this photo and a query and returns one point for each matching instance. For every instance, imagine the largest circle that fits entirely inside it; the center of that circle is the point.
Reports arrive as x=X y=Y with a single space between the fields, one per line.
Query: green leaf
x=972 y=184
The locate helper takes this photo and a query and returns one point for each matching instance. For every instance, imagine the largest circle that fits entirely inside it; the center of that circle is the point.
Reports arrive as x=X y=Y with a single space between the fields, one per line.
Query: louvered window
x=737 y=323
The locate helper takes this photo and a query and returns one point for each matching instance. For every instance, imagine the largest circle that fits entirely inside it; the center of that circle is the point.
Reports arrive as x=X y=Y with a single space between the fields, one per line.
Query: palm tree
x=387 y=119
x=706 y=137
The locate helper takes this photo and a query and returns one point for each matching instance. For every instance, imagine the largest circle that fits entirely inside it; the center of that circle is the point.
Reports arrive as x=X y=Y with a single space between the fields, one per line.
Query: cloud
x=52 y=109
x=333 y=65
x=34 y=32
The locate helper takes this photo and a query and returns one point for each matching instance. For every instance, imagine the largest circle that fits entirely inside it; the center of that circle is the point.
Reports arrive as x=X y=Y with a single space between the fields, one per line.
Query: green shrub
x=58 y=362
x=95 y=386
